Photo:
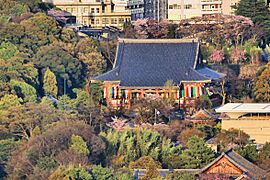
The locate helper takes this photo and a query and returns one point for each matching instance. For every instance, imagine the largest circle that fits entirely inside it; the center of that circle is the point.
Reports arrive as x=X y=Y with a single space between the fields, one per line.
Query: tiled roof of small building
x=150 y=63
x=249 y=169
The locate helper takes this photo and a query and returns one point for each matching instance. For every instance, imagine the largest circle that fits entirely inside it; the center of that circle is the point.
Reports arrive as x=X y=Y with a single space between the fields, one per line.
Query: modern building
x=136 y=8
x=143 y=66
x=184 y=9
x=96 y=13
x=252 y=118
x=154 y=9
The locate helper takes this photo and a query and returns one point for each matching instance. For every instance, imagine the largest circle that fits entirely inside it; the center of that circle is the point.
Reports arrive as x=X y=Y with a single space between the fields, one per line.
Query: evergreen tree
x=198 y=154
x=79 y=145
x=254 y=9
x=257 y=10
x=50 y=83
x=262 y=86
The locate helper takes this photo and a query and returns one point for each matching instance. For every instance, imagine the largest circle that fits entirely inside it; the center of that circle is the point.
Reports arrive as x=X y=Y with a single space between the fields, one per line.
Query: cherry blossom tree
x=217 y=56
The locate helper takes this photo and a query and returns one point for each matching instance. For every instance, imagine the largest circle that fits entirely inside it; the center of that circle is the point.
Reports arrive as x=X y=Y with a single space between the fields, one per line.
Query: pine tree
x=198 y=154
x=257 y=10
x=254 y=9
x=50 y=83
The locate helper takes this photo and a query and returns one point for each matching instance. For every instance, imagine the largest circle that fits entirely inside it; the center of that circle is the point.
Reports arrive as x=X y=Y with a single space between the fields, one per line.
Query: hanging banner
x=104 y=93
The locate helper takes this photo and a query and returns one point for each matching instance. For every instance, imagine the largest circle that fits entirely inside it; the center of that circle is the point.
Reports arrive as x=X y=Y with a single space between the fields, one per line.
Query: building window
x=105 y=21
x=72 y=10
x=92 y=10
x=170 y=6
x=97 y=10
x=114 y=20
x=92 y=21
x=121 y=20
x=85 y=10
x=188 y=6
x=97 y=21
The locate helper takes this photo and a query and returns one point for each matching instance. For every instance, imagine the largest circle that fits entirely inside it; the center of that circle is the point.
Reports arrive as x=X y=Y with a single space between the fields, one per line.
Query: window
x=85 y=10
x=72 y=10
x=105 y=21
x=92 y=21
x=92 y=10
x=97 y=10
x=97 y=21
x=188 y=6
x=170 y=6
x=114 y=20
x=121 y=20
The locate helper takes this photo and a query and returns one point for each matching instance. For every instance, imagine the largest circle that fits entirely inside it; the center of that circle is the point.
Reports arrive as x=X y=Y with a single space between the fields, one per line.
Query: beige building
x=184 y=9
x=96 y=13
x=227 y=6
x=253 y=119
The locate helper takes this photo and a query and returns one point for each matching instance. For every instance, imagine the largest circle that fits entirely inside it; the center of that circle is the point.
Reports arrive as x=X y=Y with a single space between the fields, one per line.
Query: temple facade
x=142 y=68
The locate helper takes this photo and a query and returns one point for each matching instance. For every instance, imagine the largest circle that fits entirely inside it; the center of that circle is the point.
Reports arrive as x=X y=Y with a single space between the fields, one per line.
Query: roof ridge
x=185 y=40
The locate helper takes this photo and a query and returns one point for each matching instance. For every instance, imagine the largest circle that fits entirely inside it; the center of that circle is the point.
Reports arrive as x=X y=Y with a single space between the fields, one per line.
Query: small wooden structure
x=232 y=164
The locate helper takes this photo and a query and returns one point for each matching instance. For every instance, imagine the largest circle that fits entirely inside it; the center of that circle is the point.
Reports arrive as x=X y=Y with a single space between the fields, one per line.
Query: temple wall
x=257 y=129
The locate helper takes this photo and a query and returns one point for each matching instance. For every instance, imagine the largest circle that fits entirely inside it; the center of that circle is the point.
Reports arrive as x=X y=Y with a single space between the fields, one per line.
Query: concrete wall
x=257 y=129
x=226 y=6
x=181 y=11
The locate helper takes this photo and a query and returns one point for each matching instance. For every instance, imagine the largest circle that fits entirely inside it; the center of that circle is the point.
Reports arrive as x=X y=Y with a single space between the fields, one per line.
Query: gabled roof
x=249 y=169
x=151 y=62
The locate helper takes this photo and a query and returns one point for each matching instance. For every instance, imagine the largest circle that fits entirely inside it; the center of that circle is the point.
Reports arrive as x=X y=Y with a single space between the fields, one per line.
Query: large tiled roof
x=249 y=169
x=150 y=63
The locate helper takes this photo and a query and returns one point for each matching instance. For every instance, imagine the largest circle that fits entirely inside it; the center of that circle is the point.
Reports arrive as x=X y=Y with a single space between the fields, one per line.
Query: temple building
x=234 y=166
x=143 y=66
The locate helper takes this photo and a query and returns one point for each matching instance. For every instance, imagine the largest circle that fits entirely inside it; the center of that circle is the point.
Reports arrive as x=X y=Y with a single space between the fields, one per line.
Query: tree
x=40 y=30
x=217 y=56
x=7 y=50
x=232 y=136
x=69 y=71
x=264 y=157
x=203 y=102
x=70 y=172
x=25 y=91
x=237 y=56
x=197 y=154
x=147 y=107
x=130 y=145
x=262 y=86
x=79 y=145
x=55 y=142
x=257 y=10
x=150 y=28
x=10 y=100
x=86 y=51
x=50 y=83
x=249 y=152
x=98 y=172
x=22 y=121
x=148 y=163
x=187 y=133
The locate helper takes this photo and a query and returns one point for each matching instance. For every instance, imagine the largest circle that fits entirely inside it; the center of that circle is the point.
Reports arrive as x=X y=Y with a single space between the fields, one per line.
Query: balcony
x=206 y=2
x=211 y=11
